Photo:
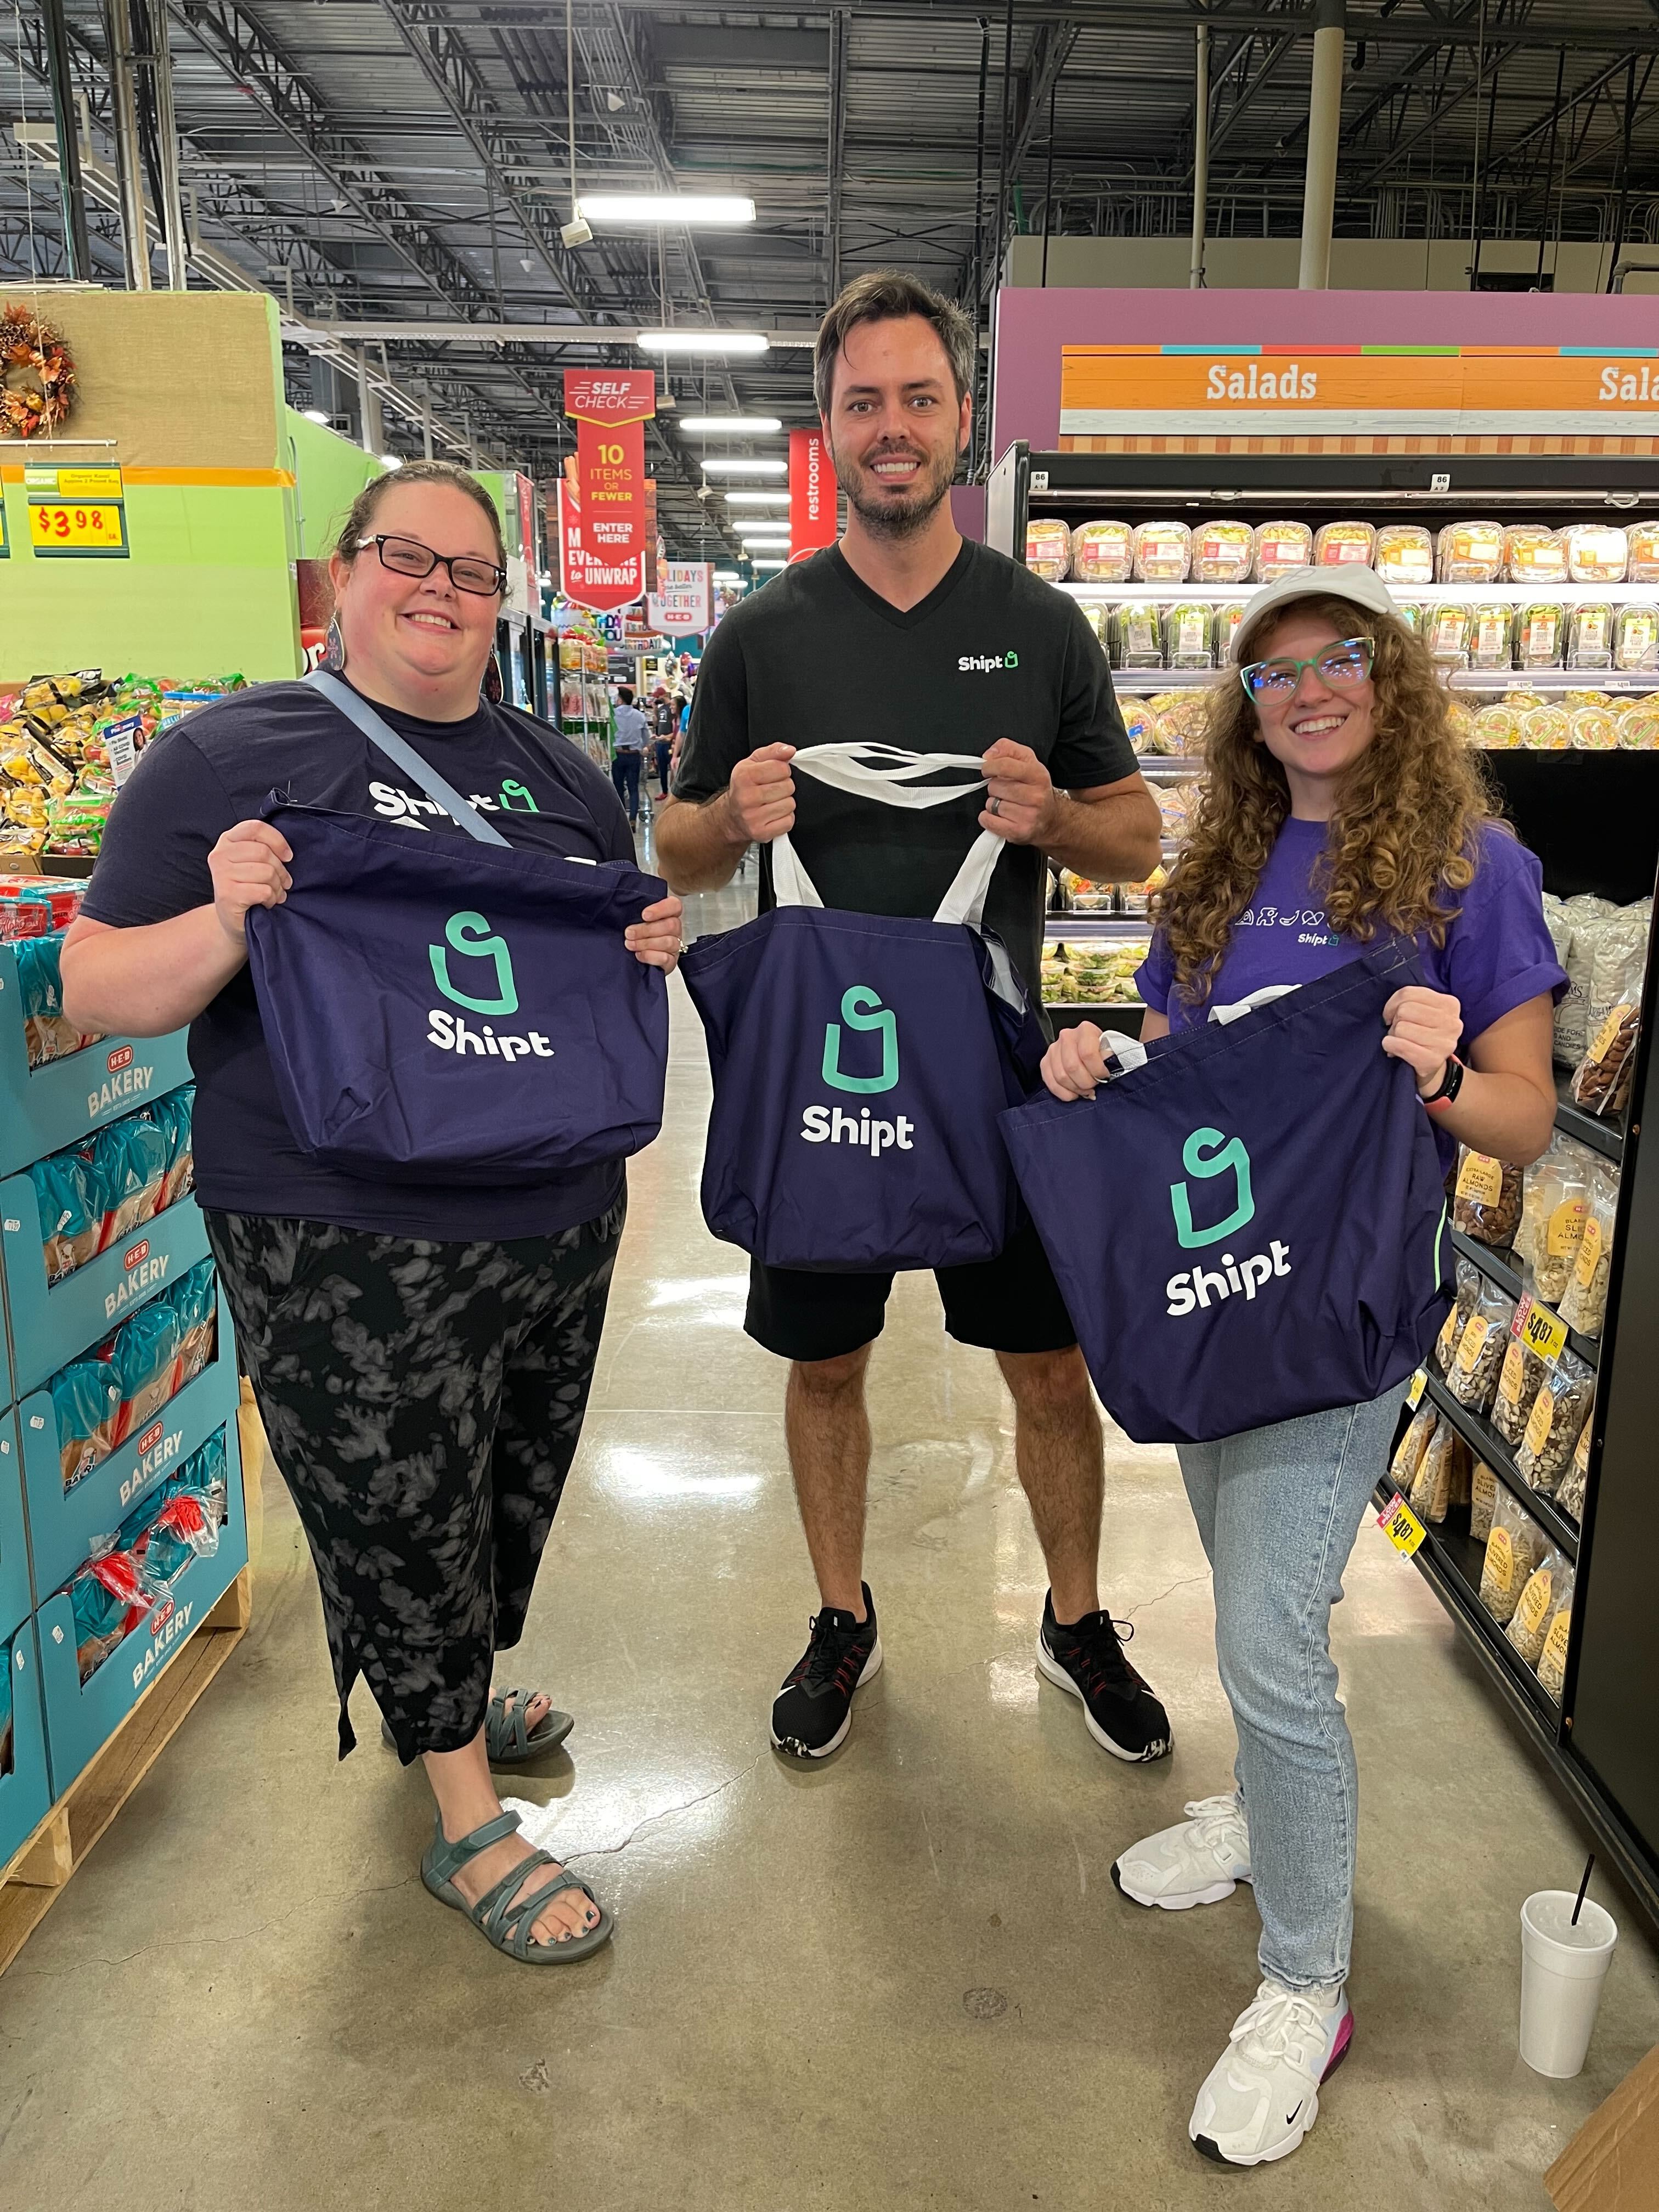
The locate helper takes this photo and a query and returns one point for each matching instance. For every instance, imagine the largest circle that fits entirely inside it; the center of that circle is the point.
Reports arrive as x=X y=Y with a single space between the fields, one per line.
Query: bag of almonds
x=1483 y=1500
x=1534 y=1608
x=1552 y=1659
x=1440 y=1474
x=1570 y=1496
x=1558 y=1412
x=1468 y=1289
x=1518 y=1379
x=1585 y=1301
x=1408 y=1452
x=1487 y=1198
x=1562 y=1214
x=1475 y=1370
x=1515 y=1544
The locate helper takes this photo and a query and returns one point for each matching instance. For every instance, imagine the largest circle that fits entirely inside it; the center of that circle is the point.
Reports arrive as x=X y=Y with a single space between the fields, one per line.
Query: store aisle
x=904 y=1980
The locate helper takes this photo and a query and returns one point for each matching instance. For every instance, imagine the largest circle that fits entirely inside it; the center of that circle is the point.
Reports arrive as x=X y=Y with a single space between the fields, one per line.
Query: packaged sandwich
x=1541 y=633
x=1547 y=729
x=1498 y=727
x=1163 y=552
x=1336 y=544
x=1280 y=547
x=1048 y=549
x=1642 y=553
x=1103 y=552
x=1636 y=638
x=1469 y=553
x=1185 y=721
x=1138 y=635
x=1139 y=721
x=1596 y=552
x=1589 y=637
x=1222 y=553
x=1489 y=643
x=1460 y=722
x=1533 y=555
x=1638 y=726
x=1404 y=554
x=1187 y=634
x=1594 y=729
x=1448 y=632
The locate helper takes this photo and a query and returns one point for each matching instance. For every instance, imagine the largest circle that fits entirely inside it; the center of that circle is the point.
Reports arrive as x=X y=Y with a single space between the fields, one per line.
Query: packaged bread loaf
x=1103 y=552
x=1636 y=638
x=1557 y=1413
x=1408 y=1452
x=1188 y=634
x=1163 y=552
x=1589 y=636
x=1479 y=1356
x=1594 y=729
x=1570 y=1496
x=1490 y=636
x=1596 y=552
x=1518 y=1379
x=1585 y=1301
x=1498 y=727
x=1280 y=547
x=1483 y=1500
x=1515 y=1544
x=1638 y=726
x=1642 y=553
x=1404 y=554
x=1222 y=552
x=1437 y=1473
x=1552 y=1654
x=1487 y=1198
x=1138 y=636
x=1338 y=543
x=1533 y=555
x=1534 y=1608
x=1048 y=549
x=1547 y=729
x=1469 y=553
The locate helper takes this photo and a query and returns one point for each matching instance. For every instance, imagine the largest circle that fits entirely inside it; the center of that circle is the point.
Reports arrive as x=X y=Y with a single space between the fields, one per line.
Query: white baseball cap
x=1364 y=586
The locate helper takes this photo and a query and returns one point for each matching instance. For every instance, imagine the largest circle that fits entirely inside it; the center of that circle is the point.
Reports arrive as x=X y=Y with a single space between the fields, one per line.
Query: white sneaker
x=1198 y=1862
x=1262 y=2093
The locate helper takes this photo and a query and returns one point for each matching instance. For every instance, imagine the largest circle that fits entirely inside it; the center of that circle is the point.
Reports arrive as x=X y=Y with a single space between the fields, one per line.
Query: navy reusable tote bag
x=860 y=1062
x=459 y=1013
x=1252 y=1226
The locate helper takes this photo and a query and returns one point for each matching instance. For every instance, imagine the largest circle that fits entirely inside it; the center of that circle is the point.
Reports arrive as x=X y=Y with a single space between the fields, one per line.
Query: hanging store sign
x=682 y=602
x=77 y=513
x=605 y=564
x=1375 y=398
x=811 y=493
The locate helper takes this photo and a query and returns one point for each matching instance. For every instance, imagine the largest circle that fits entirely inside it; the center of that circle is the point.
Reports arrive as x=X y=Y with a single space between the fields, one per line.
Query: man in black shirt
x=905 y=635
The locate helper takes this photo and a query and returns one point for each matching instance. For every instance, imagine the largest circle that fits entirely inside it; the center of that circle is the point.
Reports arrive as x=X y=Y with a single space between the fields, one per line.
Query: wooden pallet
x=34 y=1879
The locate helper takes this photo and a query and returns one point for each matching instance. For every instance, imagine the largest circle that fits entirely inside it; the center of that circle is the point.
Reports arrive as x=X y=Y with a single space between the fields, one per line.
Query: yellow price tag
x=1401 y=1526
x=1544 y=1332
x=1414 y=1396
x=89 y=483
x=77 y=526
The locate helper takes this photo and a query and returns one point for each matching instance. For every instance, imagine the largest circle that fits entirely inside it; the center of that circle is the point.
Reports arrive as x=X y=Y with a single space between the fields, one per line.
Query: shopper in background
x=664 y=721
x=422 y=1354
x=888 y=636
x=627 y=751
x=1340 y=806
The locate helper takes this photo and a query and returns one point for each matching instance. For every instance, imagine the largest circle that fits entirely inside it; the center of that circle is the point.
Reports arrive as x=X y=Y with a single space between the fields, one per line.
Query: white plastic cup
x=1562 y=1970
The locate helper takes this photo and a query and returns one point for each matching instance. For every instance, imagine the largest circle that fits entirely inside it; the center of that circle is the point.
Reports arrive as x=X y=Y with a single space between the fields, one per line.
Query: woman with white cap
x=1340 y=806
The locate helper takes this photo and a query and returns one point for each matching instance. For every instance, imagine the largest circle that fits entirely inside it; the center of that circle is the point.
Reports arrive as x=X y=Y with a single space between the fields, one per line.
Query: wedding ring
x=996 y=807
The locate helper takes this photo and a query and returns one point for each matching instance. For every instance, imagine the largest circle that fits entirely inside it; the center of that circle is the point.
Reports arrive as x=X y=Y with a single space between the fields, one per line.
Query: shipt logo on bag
x=861 y=1010
x=482 y=959
x=1208 y=1154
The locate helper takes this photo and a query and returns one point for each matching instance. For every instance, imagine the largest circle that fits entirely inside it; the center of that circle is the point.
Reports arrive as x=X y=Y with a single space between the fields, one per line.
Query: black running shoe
x=813 y=1710
x=1087 y=1661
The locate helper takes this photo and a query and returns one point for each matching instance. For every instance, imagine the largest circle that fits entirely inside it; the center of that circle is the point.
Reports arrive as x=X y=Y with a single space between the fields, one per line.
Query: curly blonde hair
x=1403 y=838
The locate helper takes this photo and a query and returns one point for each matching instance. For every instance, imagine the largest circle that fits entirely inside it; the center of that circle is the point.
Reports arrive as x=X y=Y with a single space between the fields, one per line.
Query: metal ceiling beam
x=837 y=150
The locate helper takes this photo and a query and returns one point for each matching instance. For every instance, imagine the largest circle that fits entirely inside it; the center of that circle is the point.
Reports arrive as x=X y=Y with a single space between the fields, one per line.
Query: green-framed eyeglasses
x=1340 y=666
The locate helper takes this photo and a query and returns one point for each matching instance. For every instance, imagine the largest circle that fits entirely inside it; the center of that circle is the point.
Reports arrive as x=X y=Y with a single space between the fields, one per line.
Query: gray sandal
x=502 y=1915
x=508 y=1742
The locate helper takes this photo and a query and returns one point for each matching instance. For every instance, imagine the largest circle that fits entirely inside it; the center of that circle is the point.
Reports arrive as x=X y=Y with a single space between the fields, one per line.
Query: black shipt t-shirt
x=219 y=769
x=817 y=658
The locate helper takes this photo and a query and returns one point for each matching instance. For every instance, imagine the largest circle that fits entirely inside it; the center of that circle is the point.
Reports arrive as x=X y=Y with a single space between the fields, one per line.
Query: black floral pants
x=423 y=1402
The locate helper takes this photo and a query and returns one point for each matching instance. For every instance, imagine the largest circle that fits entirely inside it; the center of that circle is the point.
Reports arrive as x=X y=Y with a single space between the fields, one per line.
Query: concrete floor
x=904 y=1980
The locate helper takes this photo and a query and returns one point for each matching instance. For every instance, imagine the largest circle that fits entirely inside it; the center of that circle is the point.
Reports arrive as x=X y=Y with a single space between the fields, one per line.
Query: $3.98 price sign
x=75 y=526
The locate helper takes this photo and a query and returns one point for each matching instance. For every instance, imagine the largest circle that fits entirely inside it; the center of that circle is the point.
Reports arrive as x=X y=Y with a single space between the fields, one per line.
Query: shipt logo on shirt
x=861 y=1010
x=981 y=664
x=469 y=939
x=1206 y=1154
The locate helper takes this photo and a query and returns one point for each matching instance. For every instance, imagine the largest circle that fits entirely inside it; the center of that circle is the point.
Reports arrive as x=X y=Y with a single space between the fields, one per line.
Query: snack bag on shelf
x=1585 y=1301
x=1048 y=549
x=1558 y=1412
x=1448 y=632
x=1469 y=553
x=1139 y=636
x=1536 y=1184
x=1594 y=730
x=1443 y=1467
x=1486 y=1199
x=1562 y=1214
x=1589 y=636
x=1408 y=1452
x=1515 y=1544
x=1404 y=554
x=1551 y=1666
x=1228 y=617
x=1338 y=543
x=1483 y=1500
x=1636 y=638
x=1570 y=1496
x=1479 y=1356
x=1163 y=552
x=1584 y=916
x=1280 y=547
x=1189 y=632
x=71 y=1232
x=1535 y=1607
x=1498 y=727
x=1518 y=1379
x=85 y=1398
x=1103 y=552
x=1596 y=552
x=1547 y=729
x=1619 y=958
x=1642 y=553
x=146 y=1364
x=1468 y=1289
x=1533 y=555
x=1601 y=1083
x=1222 y=552
x=1540 y=635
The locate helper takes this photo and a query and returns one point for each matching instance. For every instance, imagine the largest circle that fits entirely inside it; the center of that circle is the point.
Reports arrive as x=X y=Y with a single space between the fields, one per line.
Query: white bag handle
x=891 y=775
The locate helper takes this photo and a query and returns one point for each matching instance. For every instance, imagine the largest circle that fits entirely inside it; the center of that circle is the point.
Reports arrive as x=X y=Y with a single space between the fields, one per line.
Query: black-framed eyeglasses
x=1340 y=666
x=407 y=557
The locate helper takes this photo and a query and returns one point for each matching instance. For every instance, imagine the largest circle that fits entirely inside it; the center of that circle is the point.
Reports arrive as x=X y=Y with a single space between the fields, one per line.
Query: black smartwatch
x=1451 y=1083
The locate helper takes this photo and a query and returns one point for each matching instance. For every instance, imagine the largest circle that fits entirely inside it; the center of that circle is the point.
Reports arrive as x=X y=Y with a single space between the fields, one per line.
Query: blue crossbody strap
x=380 y=733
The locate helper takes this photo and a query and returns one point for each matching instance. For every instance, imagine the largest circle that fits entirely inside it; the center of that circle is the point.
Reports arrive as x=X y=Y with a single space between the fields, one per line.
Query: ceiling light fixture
x=702 y=342
x=392 y=461
x=731 y=426
x=771 y=564
x=719 y=209
x=727 y=576
x=781 y=496
x=316 y=415
x=738 y=466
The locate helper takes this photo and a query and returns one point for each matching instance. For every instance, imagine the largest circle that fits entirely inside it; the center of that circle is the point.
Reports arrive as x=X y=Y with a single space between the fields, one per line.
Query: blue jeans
x=625 y=775
x=1279 y=1510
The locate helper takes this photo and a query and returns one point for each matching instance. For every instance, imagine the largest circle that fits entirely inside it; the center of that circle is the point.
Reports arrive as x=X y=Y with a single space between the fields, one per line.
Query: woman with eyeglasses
x=421 y=1355
x=1340 y=806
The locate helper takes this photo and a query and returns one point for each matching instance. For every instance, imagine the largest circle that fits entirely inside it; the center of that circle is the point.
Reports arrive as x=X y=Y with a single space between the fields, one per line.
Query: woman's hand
x=1424 y=1028
x=248 y=869
x=1073 y=1064
x=654 y=940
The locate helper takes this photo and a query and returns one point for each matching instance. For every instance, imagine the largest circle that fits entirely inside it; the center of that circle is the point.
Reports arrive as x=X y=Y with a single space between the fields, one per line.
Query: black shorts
x=1010 y=1303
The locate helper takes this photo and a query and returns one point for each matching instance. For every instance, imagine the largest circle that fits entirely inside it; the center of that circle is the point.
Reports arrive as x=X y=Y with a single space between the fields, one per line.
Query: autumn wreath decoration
x=37 y=377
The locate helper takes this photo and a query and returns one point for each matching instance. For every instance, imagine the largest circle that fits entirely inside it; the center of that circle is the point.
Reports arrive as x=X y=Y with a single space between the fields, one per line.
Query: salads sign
x=1380 y=399
x=604 y=532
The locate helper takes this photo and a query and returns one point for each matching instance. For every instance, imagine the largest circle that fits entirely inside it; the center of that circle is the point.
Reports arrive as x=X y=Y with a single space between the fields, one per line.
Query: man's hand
x=1021 y=804
x=247 y=868
x=1424 y=1028
x=761 y=796
x=1073 y=1064
x=654 y=940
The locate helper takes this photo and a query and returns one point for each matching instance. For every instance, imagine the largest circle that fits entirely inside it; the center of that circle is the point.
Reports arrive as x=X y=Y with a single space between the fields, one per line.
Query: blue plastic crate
x=62 y=1523
x=44 y=1108
x=26 y=1792
x=81 y=1718
x=15 y=1599
x=52 y=1324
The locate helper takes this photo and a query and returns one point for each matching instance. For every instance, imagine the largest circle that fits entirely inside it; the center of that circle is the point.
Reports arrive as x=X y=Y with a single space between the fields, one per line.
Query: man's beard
x=899 y=519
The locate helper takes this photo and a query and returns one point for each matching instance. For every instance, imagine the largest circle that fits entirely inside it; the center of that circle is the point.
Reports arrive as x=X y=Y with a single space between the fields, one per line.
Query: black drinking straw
x=1583 y=1886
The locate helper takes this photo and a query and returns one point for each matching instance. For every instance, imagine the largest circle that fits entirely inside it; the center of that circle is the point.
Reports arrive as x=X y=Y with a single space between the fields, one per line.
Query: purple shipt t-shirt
x=1497 y=953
